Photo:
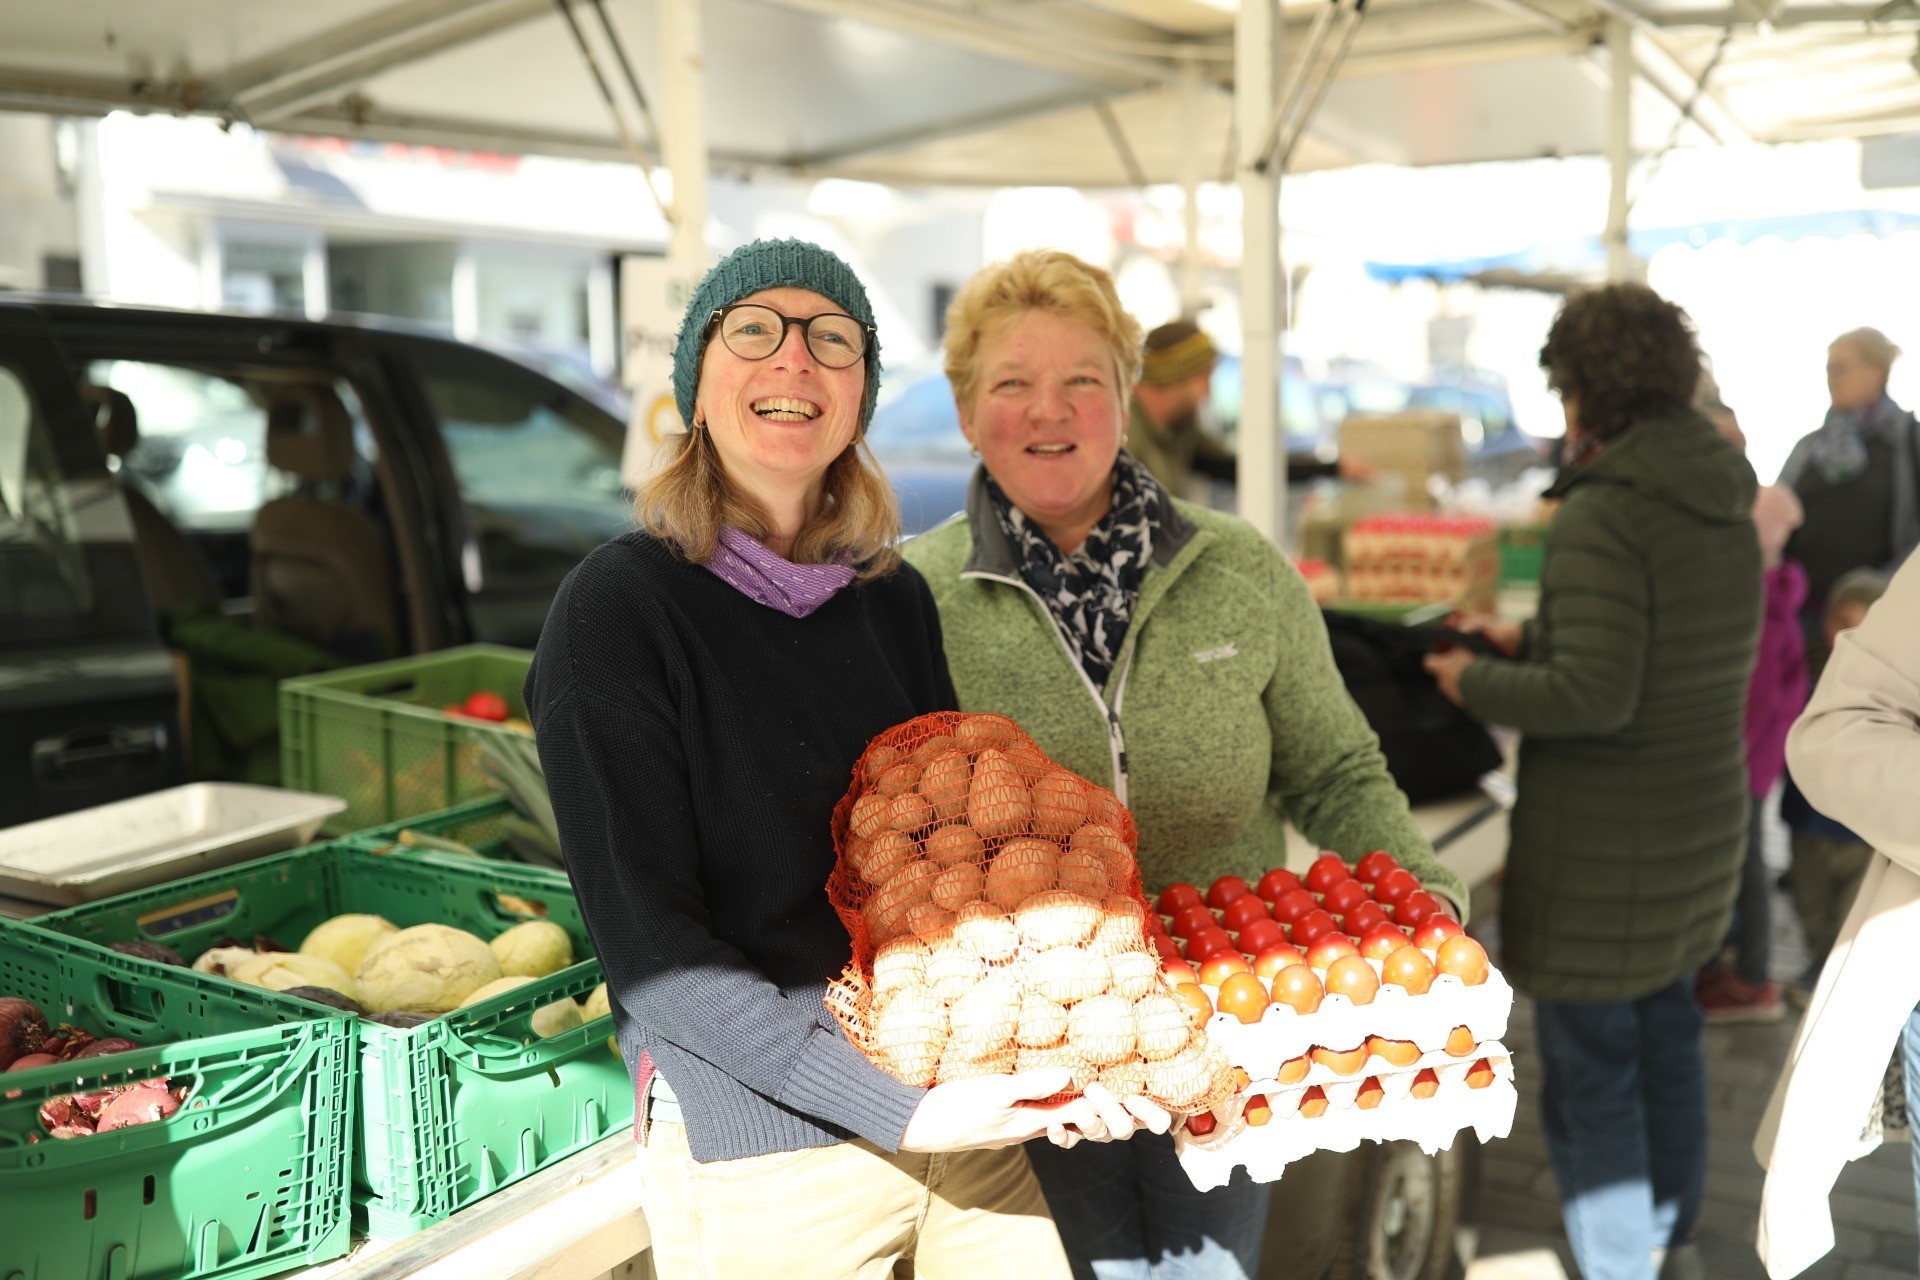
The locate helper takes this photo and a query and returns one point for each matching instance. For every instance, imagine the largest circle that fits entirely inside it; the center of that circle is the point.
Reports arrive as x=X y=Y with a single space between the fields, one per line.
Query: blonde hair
x=1038 y=279
x=688 y=501
x=1870 y=345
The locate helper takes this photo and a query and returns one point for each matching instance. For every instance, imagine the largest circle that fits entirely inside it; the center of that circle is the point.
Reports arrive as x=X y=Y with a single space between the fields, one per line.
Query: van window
x=44 y=580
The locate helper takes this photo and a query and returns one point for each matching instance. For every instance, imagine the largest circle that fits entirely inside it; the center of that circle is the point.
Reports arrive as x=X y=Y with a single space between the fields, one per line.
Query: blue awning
x=1587 y=255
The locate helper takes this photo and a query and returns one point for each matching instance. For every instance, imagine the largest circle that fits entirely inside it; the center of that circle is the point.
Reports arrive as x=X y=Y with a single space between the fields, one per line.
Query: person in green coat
x=1166 y=651
x=1629 y=688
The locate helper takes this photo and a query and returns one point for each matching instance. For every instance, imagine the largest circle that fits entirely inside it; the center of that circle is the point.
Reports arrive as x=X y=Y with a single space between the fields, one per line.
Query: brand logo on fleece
x=1214 y=655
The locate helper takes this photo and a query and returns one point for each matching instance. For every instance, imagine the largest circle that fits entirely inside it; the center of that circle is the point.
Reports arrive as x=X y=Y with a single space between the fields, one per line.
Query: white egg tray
x=1259 y=1048
x=1266 y=1151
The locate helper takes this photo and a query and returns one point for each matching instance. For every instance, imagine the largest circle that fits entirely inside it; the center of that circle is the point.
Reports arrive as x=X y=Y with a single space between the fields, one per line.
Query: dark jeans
x=1624 y=1100
x=1128 y=1211
x=1751 y=933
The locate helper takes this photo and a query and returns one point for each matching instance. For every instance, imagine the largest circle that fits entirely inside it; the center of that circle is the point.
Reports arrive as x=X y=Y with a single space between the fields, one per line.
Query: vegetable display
x=27 y=1042
x=1351 y=1005
x=364 y=965
x=998 y=923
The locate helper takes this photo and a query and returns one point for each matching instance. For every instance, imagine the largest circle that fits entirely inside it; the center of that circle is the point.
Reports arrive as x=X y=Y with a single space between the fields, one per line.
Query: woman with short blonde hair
x=1167 y=651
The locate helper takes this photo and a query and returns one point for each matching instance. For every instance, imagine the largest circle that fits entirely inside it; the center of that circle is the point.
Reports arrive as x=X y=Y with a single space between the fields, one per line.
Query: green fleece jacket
x=1630 y=827
x=1224 y=716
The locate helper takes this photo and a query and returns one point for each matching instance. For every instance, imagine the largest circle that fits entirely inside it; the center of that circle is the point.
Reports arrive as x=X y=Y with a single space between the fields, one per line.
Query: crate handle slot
x=406 y=689
x=133 y=1000
x=511 y=906
x=162 y=921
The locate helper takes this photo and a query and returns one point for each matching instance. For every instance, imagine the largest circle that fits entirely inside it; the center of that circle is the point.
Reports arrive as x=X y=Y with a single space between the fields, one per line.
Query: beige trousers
x=850 y=1210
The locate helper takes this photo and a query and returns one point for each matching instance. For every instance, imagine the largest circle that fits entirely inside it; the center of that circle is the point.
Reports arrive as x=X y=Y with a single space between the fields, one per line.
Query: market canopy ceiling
x=1076 y=92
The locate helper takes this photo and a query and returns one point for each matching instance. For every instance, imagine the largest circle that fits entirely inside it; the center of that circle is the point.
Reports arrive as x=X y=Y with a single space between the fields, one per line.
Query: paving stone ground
x=1515 y=1223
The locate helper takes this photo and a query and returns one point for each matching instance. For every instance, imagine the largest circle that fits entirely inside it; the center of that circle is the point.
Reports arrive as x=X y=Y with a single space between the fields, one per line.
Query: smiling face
x=1048 y=417
x=778 y=423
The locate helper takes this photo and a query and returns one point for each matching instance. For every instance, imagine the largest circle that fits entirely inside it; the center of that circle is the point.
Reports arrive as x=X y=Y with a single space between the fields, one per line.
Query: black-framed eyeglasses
x=754 y=332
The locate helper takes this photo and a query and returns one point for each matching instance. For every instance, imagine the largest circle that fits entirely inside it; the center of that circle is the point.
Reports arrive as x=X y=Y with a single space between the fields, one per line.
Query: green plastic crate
x=1522 y=549
x=459 y=1107
x=480 y=825
x=248 y=1179
x=376 y=737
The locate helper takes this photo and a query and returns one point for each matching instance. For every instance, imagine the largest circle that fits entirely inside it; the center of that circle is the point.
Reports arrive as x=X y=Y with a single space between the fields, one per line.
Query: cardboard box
x=1417 y=447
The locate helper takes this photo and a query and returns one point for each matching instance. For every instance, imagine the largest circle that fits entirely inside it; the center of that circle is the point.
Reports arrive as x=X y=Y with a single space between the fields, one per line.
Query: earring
x=973 y=449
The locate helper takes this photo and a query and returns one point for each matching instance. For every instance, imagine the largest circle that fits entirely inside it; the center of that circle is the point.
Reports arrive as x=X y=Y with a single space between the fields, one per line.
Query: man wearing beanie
x=1163 y=429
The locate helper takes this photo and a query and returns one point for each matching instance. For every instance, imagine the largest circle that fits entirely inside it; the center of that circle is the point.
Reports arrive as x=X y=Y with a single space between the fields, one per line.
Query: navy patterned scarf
x=1091 y=593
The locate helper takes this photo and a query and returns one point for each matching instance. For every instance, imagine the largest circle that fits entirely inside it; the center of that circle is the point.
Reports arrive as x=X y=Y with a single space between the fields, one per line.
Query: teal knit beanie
x=769 y=264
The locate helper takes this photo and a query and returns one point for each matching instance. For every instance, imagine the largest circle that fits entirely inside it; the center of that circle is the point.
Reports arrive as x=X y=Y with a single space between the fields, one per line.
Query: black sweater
x=695 y=743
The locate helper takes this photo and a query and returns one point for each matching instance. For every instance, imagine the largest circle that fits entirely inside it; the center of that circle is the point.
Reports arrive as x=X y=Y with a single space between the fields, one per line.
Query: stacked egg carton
x=1330 y=1070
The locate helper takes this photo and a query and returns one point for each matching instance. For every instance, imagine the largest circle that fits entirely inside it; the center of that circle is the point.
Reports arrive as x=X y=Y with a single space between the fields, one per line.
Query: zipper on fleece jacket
x=1116 y=740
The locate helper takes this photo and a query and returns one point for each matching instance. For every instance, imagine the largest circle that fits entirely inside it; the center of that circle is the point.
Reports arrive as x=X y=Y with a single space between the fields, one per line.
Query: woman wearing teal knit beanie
x=701 y=693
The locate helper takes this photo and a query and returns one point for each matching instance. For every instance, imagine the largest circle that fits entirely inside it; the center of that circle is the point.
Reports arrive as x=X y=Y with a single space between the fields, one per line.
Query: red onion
x=144 y=1103
x=28 y=1061
x=22 y=1028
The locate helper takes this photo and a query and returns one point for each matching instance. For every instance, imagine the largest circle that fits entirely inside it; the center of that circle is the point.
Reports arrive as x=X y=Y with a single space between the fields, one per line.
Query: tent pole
x=1262 y=441
x=1192 y=129
x=1620 y=264
x=684 y=138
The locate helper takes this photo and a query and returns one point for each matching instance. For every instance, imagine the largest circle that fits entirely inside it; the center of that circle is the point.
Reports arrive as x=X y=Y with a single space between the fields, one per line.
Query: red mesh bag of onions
x=998 y=921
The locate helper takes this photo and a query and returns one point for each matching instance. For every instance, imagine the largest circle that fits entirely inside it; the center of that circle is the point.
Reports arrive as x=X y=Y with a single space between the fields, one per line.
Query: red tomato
x=1465 y=959
x=1294 y=1070
x=1408 y=967
x=1415 y=907
x=1399 y=1053
x=1370 y=1095
x=1382 y=941
x=1460 y=1043
x=1434 y=930
x=1315 y=924
x=1216 y=968
x=1272 y=960
x=1276 y=882
x=1242 y=996
x=1297 y=987
x=1199 y=1007
x=1201 y=1125
x=1354 y=978
x=1225 y=890
x=1426 y=1084
x=1344 y=896
x=1293 y=904
x=1259 y=1111
x=1395 y=885
x=1261 y=935
x=1363 y=918
x=1243 y=911
x=1313 y=1102
x=1480 y=1074
x=1329 y=947
x=1206 y=942
x=487 y=705
x=1177 y=895
x=1178 y=973
x=1169 y=949
x=1327 y=870
x=1342 y=1062
x=1374 y=865
x=1191 y=920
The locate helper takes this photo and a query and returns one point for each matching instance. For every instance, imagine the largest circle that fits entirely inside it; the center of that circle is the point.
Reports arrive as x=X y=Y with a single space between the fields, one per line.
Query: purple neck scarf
x=767 y=578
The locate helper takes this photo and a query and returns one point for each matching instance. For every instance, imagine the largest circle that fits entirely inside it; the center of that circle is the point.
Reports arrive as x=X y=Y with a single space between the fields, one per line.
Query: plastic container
x=1522 y=550
x=458 y=1107
x=130 y=844
x=376 y=736
x=248 y=1179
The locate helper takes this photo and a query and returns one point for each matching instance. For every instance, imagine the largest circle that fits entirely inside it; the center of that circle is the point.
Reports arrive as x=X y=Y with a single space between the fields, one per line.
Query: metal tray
x=151 y=839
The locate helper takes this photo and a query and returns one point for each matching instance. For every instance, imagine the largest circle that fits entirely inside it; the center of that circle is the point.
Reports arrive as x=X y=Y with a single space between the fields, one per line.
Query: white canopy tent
x=1093 y=93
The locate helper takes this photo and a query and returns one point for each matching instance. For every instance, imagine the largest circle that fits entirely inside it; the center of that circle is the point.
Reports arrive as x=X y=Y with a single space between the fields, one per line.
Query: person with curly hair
x=1629 y=688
